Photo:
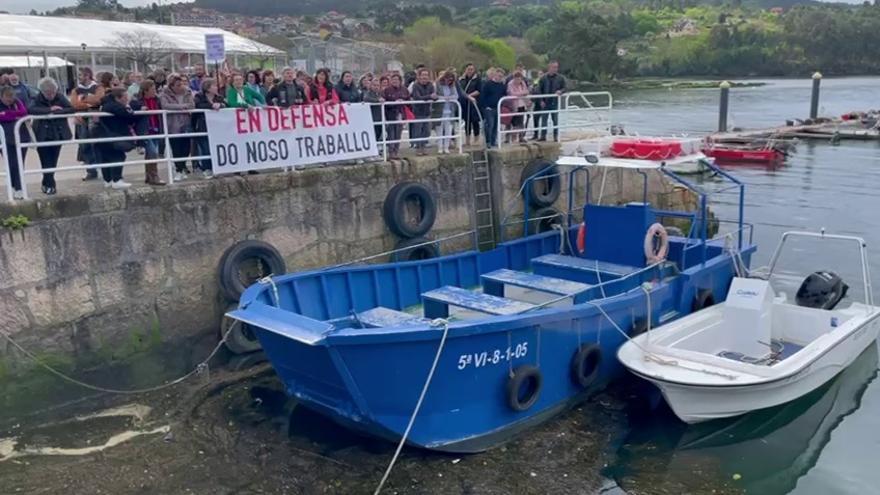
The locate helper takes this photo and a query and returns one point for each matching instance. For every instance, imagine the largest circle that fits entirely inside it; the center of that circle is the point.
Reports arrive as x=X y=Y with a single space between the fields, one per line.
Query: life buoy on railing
x=656 y=254
x=582 y=238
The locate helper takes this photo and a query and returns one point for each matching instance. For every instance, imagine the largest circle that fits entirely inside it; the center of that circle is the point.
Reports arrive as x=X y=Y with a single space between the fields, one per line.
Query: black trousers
x=471 y=117
x=110 y=155
x=49 y=159
x=180 y=148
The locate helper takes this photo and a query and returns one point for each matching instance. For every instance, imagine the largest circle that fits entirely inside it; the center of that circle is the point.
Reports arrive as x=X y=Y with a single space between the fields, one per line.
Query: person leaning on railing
x=373 y=96
x=448 y=92
x=470 y=84
x=286 y=92
x=424 y=92
x=86 y=97
x=50 y=102
x=241 y=95
x=12 y=110
x=207 y=99
x=147 y=99
x=118 y=124
x=492 y=91
x=552 y=83
x=395 y=92
x=519 y=88
x=177 y=99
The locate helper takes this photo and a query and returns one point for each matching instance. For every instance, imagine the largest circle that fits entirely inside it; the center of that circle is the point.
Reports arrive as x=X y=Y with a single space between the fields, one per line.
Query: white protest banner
x=243 y=139
x=215 y=48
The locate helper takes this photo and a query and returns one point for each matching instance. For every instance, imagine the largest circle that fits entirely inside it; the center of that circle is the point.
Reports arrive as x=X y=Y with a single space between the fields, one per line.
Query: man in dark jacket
x=424 y=92
x=552 y=83
x=490 y=94
x=287 y=92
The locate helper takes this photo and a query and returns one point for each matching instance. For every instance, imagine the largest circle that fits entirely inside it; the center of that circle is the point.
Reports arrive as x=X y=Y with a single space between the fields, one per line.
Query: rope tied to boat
x=439 y=322
x=203 y=368
x=648 y=355
x=268 y=280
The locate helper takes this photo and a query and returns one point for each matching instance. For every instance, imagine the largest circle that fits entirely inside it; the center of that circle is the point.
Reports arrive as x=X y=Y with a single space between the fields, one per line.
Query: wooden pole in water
x=814 y=99
x=723 y=106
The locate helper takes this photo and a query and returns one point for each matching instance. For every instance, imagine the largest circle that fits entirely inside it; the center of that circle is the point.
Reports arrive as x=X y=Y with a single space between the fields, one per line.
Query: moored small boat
x=499 y=340
x=757 y=349
x=732 y=154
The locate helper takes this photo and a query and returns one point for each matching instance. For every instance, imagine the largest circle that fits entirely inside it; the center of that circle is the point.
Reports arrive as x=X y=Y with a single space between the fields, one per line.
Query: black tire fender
x=530 y=377
x=240 y=338
x=540 y=197
x=639 y=327
x=269 y=262
x=554 y=217
x=585 y=365
x=394 y=209
x=404 y=250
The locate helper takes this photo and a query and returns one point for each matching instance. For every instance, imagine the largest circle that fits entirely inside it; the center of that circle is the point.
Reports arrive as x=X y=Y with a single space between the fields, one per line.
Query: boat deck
x=780 y=351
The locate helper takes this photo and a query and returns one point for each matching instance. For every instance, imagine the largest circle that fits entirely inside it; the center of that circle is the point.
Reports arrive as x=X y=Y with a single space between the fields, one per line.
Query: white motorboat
x=757 y=349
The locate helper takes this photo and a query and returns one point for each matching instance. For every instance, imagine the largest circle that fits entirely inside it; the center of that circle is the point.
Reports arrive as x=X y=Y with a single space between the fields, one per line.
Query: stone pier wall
x=121 y=288
x=91 y=270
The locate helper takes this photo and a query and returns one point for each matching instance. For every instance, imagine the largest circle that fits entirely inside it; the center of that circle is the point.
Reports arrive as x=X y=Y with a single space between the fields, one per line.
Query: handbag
x=123 y=146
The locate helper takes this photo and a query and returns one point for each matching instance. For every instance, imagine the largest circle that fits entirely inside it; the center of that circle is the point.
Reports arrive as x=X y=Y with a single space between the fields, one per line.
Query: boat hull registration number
x=493 y=357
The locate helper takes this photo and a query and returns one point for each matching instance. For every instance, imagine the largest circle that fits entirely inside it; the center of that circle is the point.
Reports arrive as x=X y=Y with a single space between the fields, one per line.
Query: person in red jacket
x=321 y=90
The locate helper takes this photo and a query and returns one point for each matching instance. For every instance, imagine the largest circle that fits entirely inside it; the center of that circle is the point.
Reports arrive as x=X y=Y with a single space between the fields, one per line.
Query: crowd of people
x=432 y=101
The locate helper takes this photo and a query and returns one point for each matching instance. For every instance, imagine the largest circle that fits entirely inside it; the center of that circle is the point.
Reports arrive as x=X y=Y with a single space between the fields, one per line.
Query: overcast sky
x=25 y=6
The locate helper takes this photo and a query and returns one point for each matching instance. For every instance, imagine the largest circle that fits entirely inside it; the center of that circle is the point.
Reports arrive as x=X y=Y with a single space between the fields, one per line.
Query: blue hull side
x=370 y=379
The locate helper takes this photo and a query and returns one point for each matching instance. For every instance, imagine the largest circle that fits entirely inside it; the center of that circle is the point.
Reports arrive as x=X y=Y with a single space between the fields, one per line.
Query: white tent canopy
x=35 y=62
x=29 y=34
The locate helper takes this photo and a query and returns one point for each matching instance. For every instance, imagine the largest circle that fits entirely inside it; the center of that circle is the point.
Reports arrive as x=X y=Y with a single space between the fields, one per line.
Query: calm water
x=828 y=442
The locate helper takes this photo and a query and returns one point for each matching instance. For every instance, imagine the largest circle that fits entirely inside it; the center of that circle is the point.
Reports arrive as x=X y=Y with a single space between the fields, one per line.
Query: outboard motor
x=821 y=290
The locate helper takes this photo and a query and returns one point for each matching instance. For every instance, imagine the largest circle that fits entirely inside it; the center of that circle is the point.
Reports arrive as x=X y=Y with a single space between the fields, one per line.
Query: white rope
x=199 y=369
x=649 y=356
x=435 y=323
x=268 y=280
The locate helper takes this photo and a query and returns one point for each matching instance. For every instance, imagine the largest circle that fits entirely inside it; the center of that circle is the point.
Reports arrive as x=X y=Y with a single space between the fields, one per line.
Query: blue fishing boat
x=490 y=343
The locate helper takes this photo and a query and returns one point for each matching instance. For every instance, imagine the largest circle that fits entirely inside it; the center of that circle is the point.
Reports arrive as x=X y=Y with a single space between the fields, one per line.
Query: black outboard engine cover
x=821 y=290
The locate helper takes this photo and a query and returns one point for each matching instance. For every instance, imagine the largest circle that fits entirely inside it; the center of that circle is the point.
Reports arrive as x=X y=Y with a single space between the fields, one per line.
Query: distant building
x=777 y=10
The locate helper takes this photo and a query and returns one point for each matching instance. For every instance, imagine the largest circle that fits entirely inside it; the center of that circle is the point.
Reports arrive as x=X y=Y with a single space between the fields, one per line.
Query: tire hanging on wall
x=524 y=387
x=394 y=209
x=241 y=339
x=553 y=217
x=543 y=192
x=404 y=250
x=702 y=300
x=585 y=365
x=265 y=259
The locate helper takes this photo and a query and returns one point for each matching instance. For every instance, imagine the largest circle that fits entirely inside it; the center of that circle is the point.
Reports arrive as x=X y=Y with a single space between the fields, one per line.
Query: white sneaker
x=17 y=195
x=207 y=174
x=120 y=185
x=179 y=177
x=107 y=185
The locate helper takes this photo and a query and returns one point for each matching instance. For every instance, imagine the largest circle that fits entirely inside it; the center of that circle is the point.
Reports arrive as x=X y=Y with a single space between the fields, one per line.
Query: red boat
x=730 y=154
x=646 y=149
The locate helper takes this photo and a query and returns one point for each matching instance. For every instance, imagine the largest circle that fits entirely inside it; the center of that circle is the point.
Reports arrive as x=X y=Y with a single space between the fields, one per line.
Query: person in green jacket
x=240 y=95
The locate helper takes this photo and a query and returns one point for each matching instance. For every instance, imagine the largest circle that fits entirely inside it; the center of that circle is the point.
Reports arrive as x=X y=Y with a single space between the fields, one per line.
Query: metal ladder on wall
x=484 y=221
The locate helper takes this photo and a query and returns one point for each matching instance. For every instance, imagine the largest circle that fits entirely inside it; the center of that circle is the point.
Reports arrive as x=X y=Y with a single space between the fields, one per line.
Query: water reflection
x=767 y=451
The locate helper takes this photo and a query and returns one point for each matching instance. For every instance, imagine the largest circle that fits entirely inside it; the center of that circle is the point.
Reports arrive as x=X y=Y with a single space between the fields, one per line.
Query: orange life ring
x=656 y=255
x=582 y=238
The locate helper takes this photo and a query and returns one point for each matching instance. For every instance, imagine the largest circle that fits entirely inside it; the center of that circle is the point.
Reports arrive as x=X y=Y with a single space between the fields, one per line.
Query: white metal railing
x=574 y=110
x=458 y=125
x=166 y=136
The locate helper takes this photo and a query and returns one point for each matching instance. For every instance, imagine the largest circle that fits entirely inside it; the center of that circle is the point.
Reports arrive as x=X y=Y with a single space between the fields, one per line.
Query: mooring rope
x=650 y=356
x=412 y=419
x=200 y=368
